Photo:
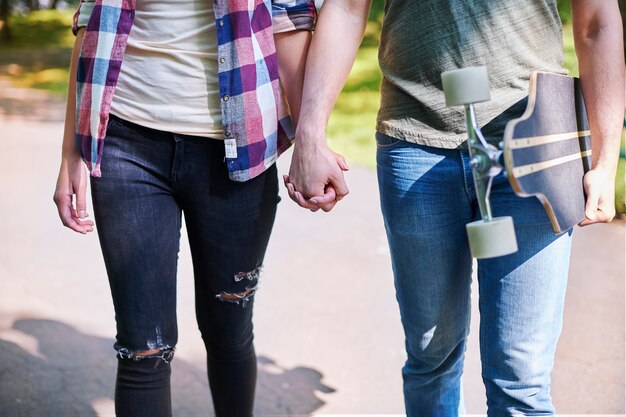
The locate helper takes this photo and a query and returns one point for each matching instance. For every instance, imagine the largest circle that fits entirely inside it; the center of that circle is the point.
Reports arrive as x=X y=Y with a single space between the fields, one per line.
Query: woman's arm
x=292 y=23
x=598 y=40
x=292 y=48
x=71 y=188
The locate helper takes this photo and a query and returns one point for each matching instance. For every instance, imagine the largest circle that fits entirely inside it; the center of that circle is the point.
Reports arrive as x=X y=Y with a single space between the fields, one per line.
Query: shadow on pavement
x=55 y=370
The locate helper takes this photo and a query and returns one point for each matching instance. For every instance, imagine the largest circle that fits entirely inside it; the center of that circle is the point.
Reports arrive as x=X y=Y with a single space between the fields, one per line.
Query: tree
x=5 y=14
x=32 y=4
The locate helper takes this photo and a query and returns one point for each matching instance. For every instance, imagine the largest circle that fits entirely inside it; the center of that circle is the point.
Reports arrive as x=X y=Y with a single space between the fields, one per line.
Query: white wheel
x=465 y=86
x=492 y=238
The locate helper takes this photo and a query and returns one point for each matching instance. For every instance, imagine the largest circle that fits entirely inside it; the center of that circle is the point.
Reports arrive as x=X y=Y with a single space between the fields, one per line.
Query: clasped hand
x=315 y=179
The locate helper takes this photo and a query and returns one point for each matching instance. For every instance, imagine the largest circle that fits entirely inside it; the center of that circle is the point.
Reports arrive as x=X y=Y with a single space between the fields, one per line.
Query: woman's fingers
x=68 y=215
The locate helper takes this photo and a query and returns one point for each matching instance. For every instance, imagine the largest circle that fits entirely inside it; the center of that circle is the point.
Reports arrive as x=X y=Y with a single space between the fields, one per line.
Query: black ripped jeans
x=149 y=178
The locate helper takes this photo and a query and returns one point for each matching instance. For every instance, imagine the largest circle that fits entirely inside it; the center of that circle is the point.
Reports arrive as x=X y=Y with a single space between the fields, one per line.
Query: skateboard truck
x=491 y=236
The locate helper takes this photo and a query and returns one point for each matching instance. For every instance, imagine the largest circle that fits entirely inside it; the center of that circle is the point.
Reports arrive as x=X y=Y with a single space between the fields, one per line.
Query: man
x=427 y=194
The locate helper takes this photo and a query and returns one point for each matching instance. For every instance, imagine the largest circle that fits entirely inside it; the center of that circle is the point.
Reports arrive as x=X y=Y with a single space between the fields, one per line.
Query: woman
x=192 y=122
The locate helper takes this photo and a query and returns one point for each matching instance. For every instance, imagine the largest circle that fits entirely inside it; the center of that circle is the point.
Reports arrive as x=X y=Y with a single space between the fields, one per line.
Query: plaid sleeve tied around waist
x=255 y=117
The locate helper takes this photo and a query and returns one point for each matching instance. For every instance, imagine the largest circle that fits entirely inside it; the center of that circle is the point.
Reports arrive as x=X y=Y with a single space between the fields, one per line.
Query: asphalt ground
x=327 y=326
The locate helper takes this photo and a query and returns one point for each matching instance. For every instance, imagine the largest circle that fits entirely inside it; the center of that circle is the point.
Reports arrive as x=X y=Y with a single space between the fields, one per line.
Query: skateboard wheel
x=488 y=239
x=465 y=86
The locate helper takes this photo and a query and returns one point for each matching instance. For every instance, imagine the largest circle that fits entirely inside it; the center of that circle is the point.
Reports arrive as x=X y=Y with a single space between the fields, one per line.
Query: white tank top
x=168 y=80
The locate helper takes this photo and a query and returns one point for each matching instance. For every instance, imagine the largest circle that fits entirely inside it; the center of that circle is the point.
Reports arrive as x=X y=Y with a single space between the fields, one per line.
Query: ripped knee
x=165 y=354
x=242 y=297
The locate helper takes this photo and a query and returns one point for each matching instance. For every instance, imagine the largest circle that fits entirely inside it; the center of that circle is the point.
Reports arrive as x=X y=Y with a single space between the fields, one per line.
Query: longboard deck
x=547 y=151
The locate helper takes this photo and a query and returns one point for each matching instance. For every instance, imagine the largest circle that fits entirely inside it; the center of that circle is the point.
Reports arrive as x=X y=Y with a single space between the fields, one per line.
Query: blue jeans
x=149 y=178
x=427 y=198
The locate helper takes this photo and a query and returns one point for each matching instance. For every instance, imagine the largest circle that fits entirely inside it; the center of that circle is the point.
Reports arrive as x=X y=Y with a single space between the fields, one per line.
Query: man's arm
x=315 y=170
x=598 y=40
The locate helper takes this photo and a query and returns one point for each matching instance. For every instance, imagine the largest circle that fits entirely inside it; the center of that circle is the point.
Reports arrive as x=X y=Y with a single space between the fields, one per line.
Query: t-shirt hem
x=451 y=141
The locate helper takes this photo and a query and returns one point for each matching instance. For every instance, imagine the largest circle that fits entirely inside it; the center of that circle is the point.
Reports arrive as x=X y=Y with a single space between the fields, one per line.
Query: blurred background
x=328 y=333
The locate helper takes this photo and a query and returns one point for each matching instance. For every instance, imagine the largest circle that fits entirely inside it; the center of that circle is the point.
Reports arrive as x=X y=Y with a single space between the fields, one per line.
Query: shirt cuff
x=301 y=17
x=82 y=15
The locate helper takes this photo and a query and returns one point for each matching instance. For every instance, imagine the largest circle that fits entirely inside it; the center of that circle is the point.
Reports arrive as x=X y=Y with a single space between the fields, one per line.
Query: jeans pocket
x=114 y=122
x=386 y=142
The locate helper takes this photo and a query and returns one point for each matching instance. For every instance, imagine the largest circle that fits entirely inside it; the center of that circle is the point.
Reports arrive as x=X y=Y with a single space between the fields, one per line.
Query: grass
x=53 y=80
x=40 y=29
x=38 y=56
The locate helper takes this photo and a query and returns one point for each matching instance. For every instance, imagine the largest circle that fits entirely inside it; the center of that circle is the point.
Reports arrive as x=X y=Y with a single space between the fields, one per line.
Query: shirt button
x=226 y=97
x=222 y=60
x=221 y=22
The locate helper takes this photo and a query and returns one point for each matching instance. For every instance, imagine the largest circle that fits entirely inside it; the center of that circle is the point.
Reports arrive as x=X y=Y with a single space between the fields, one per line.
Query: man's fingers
x=599 y=207
x=340 y=186
x=591 y=206
x=342 y=163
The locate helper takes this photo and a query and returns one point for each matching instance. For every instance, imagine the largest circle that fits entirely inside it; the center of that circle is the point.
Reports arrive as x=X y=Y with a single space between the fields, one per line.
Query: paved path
x=327 y=325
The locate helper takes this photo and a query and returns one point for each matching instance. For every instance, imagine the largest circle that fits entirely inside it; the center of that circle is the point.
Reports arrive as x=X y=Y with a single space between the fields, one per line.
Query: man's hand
x=600 y=188
x=315 y=177
x=70 y=195
x=598 y=40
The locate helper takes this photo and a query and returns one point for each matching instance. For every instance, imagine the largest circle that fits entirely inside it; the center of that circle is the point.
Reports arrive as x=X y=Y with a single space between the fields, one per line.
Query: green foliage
x=620 y=179
x=39 y=55
x=565 y=11
x=570 y=62
x=53 y=80
x=353 y=121
x=41 y=29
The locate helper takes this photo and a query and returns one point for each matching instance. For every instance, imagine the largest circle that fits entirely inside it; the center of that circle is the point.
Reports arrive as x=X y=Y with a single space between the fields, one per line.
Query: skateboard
x=546 y=152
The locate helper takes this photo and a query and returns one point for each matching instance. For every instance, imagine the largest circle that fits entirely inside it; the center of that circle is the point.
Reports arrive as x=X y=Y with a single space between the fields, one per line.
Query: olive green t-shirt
x=422 y=38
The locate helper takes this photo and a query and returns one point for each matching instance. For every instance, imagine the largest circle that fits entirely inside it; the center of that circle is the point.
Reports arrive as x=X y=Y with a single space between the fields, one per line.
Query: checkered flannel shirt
x=256 y=122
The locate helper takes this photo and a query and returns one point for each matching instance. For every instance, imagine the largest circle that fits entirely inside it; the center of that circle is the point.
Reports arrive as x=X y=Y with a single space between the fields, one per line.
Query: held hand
x=600 y=188
x=316 y=178
x=72 y=188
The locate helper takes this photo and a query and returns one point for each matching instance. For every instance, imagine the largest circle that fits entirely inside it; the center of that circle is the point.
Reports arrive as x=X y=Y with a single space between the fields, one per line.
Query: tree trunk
x=33 y=5
x=5 y=13
x=53 y=4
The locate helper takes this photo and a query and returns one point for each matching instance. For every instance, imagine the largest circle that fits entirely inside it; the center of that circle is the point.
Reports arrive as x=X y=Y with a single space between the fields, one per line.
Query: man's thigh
x=425 y=204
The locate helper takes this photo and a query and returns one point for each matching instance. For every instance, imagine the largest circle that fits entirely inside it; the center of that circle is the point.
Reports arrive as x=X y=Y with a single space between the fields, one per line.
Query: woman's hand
x=70 y=195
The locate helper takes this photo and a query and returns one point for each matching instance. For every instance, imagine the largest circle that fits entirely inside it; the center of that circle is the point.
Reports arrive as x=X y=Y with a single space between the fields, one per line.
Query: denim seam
x=465 y=178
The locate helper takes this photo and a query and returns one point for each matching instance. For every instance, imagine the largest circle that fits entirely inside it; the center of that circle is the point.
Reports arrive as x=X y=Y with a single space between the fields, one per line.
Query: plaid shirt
x=255 y=118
